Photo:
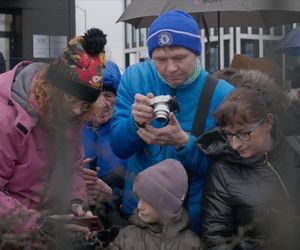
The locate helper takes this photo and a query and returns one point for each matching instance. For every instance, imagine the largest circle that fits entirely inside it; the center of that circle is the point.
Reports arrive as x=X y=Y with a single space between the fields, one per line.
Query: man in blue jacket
x=174 y=46
x=95 y=136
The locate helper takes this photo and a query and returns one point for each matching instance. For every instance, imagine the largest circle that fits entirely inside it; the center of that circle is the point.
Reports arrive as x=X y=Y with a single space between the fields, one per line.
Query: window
x=226 y=31
x=212 y=59
x=226 y=53
x=250 y=48
x=288 y=28
x=127 y=35
x=268 y=44
x=244 y=30
x=127 y=61
x=255 y=30
x=133 y=36
x=266 y=31
x=142 y=37
x=216 y=31
x=6 y=22
x=8 y=46
x=278 y=30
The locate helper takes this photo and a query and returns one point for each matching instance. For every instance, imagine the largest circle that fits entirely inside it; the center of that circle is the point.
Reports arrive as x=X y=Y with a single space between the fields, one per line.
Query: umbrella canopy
x=290 y=44
x=255 y=13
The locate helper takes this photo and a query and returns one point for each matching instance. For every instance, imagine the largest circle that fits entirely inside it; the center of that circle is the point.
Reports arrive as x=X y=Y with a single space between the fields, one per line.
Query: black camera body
x=163 y=105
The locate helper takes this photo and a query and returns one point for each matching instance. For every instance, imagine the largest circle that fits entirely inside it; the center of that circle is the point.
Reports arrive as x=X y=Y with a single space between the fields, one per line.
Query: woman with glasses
x=251 y=197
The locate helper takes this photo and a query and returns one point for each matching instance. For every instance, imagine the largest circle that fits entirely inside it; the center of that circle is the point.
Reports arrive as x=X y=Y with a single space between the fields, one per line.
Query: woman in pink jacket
x=42 y=108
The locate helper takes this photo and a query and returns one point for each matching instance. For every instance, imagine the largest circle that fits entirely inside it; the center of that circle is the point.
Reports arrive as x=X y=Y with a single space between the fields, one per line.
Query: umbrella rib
x=264 y=19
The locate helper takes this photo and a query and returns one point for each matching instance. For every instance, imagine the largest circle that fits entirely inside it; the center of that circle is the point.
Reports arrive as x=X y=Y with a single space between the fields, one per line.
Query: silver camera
x=163 y=105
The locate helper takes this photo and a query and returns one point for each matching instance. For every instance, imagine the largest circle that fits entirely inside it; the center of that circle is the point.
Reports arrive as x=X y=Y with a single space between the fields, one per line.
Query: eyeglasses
x=242 y=135
x=74 y=102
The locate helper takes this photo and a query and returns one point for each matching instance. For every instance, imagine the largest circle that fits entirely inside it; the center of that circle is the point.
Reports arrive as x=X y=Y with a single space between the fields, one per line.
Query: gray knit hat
x=164 y=186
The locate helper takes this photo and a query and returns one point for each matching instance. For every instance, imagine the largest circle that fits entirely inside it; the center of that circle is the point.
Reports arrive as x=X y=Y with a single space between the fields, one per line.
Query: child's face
x=147 y=213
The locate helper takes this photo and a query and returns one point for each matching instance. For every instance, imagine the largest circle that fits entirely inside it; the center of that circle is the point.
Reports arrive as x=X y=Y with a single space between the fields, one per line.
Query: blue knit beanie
x=111 y=77
x=174 y=28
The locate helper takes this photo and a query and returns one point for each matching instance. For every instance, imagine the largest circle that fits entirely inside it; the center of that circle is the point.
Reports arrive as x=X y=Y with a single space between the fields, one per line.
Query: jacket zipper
x=270 y=166
x=163 y=245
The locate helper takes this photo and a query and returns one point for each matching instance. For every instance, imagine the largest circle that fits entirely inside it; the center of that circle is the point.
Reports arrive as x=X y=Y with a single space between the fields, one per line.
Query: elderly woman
x=251 y=196
x=42 y=109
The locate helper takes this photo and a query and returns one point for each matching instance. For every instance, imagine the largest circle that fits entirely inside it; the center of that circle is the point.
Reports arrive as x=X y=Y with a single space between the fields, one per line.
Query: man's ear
x=269 y=121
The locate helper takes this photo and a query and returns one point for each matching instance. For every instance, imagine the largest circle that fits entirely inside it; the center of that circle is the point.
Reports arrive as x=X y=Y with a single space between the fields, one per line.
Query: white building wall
x=103 y=14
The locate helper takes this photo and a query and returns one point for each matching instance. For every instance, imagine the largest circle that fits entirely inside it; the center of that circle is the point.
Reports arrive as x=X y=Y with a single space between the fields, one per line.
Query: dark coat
x=142 y=236
x=291 y=122
x=250 y=203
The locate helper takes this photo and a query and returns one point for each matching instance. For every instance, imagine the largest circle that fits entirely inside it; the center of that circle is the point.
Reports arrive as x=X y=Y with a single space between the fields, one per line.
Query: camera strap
x=201 y=115
x=203 y=105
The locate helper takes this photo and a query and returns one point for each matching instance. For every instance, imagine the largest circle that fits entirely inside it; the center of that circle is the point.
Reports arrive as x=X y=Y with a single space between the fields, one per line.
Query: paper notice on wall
x=57 y=44
x=40 y=46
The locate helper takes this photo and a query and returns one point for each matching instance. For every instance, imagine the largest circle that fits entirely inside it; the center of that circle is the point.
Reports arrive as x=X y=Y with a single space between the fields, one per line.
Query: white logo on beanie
x=165 y=39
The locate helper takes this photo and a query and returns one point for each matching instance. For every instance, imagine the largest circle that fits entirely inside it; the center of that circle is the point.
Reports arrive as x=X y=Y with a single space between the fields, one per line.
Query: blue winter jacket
x=97 y=144
x=143 y=78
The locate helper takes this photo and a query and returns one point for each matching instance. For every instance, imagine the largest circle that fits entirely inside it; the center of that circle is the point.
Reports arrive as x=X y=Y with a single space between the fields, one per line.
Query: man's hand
x=172 y=134
x=141 y=112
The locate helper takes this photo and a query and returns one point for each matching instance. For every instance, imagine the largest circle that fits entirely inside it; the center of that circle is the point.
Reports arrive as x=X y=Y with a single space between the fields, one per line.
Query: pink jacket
x=25 y=151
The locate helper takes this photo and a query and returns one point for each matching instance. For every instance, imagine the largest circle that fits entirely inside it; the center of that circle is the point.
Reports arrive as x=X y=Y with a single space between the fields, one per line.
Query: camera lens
x=161 y=112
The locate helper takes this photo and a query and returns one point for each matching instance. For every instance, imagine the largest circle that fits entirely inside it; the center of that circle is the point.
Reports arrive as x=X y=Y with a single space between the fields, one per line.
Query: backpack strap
x=203 y=105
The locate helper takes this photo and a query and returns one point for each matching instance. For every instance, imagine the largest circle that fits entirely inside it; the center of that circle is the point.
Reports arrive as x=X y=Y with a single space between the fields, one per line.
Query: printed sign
x=40 y=46
x=57 y=44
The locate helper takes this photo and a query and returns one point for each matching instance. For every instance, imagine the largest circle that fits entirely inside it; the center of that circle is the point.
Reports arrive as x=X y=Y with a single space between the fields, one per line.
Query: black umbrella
x=217 y=13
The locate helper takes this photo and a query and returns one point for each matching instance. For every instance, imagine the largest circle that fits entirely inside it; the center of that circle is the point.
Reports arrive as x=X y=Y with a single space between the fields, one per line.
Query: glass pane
x=142 y=36
x=226 y=30
x=4 y=49
x=266 y=31
x=288 y=28
x=250 y=48
x=6 y=22
x=255 y=30
x=127 y=35
x=212 y=63
x=216 y=31
x=133 y=37
x=244 y=30
x=226 y=53
x=278 y=30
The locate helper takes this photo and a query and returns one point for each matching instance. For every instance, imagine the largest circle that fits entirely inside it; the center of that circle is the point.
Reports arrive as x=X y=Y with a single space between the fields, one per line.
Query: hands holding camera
x=146 y=108
x=141 y=111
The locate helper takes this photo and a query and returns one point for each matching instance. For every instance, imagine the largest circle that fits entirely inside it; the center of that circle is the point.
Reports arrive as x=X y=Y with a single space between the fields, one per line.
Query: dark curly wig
x=94 y=41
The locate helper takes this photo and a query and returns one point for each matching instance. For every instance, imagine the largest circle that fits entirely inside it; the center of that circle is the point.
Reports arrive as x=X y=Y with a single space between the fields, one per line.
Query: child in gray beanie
x=160 y=221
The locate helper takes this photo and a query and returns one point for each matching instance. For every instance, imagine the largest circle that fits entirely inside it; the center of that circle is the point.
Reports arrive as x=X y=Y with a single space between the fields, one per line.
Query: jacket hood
x=216 y=147
x=111 y=76
x=22 y=83
x=172 y=228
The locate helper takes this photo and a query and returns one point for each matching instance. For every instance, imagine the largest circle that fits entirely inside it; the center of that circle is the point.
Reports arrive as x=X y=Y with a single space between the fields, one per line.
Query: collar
x=191 y=78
